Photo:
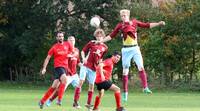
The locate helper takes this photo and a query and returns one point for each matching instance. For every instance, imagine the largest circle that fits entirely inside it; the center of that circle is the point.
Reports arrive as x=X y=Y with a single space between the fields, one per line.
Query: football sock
x=118 y=99
x=61 y=91
x=125 y=83
x=47 y=95
x=90 y=94
x=77 y=94
x=97 y=102
x=143 y=78
x=54 y=96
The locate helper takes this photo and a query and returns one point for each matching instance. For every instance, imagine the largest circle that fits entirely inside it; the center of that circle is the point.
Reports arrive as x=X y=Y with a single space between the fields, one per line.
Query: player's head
x=116 y=56
x=60 y=37
x=125 y=15
x=99 y=34
x=71 y=39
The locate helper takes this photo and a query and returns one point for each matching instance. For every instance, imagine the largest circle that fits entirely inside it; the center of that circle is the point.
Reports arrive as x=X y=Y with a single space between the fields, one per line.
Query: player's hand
x=84 y=61
x=103 y=78
x=69 y=55
x=161 y=23
x=43 y=71
x=100 y=63
x=80 y=64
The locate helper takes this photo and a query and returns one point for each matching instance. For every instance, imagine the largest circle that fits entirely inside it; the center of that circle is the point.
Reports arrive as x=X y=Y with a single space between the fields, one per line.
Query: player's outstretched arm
x=80 y=64
x=161 y=23
x=106 y=39
x=46 y=61
x=84 y=58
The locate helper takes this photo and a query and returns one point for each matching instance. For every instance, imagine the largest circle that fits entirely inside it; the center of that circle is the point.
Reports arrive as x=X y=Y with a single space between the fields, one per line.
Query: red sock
x=125 y=83
x=118 y=99
x=97 y=102
x=143 y=78
x=47 y=95
x=54 y=96
x=61 y=91
x=77 y=94
x=90 y=94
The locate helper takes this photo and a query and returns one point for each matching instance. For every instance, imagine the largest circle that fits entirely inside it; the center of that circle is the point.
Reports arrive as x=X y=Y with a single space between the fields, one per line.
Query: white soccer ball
x=95 y=22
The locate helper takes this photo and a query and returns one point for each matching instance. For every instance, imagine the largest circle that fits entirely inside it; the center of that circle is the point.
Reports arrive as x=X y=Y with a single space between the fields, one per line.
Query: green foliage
x=23 y=37
x=27 y=29
x=178 y=50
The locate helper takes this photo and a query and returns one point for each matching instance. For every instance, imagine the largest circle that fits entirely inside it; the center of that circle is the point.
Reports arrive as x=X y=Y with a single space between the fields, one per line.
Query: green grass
x=25 y=98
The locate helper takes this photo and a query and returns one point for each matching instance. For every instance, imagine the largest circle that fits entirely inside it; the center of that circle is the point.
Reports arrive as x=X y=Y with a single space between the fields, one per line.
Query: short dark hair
x=116 y=53
x=71 y=36
x=62 y=32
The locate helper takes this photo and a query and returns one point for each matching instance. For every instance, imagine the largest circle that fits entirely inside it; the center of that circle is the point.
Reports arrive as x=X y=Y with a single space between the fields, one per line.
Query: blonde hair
x=125 y=11
x=99 y=31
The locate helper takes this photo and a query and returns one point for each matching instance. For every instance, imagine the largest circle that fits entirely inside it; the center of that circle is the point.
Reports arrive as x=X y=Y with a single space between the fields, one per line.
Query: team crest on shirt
x=98 y=52
x=73 y=58
x=65 y=47
x=103 y=49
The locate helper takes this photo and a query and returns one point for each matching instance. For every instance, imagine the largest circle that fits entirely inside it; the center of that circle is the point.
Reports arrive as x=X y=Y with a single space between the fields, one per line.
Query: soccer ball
x=95 y=22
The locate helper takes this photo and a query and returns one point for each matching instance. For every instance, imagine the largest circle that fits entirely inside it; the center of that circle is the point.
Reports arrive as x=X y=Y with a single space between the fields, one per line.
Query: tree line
x=171 y=53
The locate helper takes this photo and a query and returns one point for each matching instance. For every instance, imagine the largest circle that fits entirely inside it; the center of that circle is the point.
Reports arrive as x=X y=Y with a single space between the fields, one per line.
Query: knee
x=91 y=87
x=117 y=89
x=140 y=68
x=63 y=79
x=125 y=66
x=81 y=83
x=55 y=86
x=125 y=71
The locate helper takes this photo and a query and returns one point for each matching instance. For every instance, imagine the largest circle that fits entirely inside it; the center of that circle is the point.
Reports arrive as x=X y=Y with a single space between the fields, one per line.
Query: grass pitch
x=20 y=98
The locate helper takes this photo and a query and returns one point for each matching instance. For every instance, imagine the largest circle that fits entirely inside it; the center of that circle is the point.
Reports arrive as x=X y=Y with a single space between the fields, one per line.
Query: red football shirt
x=129 y=28
x=107 y=70
x=73 y=62
x=96 y=52
x=60 y=52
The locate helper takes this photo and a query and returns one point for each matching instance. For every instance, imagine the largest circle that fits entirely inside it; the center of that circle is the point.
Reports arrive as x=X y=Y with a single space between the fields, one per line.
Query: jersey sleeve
x=116 y=30
x=143 y=24
x=78 y=56
x=70 y=47
x=107 y=62
x=51 y=51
